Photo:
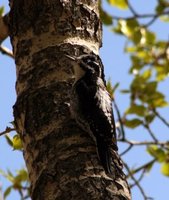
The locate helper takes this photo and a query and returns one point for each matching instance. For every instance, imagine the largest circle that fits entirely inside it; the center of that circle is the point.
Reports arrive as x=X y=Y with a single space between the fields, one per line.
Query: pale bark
x=61 y=159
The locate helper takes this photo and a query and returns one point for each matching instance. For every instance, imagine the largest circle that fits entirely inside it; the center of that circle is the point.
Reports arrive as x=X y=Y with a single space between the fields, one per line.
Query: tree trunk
x=61 y=159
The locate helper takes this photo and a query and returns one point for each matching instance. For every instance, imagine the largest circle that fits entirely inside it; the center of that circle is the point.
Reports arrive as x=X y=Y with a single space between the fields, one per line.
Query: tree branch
x=8 y=130
x=131 y=142
x=6 y=51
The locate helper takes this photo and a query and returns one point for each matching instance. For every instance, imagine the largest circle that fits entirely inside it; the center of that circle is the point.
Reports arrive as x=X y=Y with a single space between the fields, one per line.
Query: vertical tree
x=61 y=159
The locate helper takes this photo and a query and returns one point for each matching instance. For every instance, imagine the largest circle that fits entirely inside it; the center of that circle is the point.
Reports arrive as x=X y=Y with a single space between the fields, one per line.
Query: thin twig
x=161 y=118
x=119 y=119
x=8 y=129
x=21 y=194
x=139 y=179
x=150 y=132
x=136 y=182
x=132 y=142
x=128 y=149
x=131 y=8
x=143 y=167
x=152 y=15
x=151 y=22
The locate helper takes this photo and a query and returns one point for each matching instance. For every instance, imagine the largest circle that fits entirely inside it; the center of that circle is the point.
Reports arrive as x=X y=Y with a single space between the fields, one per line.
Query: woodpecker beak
x=71 y=57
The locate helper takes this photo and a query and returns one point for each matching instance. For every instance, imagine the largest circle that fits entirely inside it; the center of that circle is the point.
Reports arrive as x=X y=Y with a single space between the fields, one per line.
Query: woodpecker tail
x=105 y=154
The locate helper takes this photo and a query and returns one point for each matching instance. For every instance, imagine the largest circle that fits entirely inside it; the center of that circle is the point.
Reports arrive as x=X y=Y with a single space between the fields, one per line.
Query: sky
x=116 y=64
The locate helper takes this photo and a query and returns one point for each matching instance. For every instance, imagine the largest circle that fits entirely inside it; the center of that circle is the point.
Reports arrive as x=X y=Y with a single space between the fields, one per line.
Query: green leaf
x=157 y=152
x=131 y=29
x=125 y=91
x=133 y=123
x=165 y=168
x=137 y=64
x=160 y=8
x=162 y=70
x=1 y=10
x=156 y=99
x=131 y=49
x=7 y=191
x=105 y=17
x=150 y=87
x=115 y=87
x=22 y=175
x=7 y=175
x=147 y=37
x=17 y=143
x=146 y=74
x=149 y=118
x=122 y=4
x=164 y=18
x=149 y=166
x=144 y=55
x=9 y=140
x=139 y=110
x=110 y=88
x=127 y=27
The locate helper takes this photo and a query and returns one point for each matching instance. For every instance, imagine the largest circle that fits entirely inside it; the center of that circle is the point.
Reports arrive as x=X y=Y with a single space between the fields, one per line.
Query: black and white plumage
x=91 y=105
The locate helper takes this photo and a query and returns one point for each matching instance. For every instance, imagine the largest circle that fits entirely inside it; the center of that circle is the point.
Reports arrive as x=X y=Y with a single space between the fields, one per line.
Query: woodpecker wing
x=97 y=111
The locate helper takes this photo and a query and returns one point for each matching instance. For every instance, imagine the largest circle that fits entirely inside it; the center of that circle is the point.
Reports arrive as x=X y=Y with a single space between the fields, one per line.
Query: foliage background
x=117 y=64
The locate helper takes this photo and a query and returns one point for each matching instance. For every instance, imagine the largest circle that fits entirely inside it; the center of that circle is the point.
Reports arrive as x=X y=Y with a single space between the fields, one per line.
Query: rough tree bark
x=61 y=159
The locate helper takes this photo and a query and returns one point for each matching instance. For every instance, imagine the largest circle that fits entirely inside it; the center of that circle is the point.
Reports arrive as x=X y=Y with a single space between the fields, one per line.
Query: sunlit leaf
x=162 y=71
x=156 y=99
x=147 y=37
x=156 y=152
x=147 y=74
x=137 y=64
x=122 y=4
x=17 y=143
x=164 y=18
x=131 y=29
x=131 y=49
x=127 y=27
x=165 y=168
x=160 y=103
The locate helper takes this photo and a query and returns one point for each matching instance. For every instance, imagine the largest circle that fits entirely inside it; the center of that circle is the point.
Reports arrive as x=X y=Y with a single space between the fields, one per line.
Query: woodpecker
x=91 y=105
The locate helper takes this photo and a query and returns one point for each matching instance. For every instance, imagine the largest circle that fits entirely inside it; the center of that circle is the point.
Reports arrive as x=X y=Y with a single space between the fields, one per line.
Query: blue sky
x=117 y=64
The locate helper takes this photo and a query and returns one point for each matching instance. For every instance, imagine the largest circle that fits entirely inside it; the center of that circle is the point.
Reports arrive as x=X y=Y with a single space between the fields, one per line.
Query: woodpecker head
x=87 y=63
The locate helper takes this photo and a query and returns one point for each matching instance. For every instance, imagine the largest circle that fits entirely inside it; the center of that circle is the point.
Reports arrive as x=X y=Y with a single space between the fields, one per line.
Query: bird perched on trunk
x=91 y=105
